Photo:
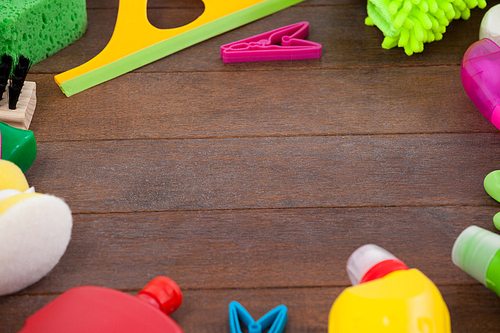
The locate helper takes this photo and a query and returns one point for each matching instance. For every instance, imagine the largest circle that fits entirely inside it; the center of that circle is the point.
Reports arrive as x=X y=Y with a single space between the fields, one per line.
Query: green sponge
x=411 y=23
x=39 y=28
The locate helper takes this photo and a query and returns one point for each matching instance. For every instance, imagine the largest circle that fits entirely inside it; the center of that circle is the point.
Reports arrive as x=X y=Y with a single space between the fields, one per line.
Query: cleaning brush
x=17 y=81
x=5 y=69
x=411 y=23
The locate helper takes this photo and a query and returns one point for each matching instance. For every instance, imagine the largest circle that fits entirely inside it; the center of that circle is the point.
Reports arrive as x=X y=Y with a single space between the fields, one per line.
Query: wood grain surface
x=255 y=181
x=319 y=103
x=207 y=311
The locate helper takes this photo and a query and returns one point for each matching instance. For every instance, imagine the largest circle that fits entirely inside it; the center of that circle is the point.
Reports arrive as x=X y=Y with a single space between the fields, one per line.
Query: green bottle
x=477 y=252
x=18 y=146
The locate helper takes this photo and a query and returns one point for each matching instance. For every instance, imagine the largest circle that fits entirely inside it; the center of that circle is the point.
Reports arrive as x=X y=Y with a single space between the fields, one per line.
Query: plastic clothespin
x=275 y=319
x=265 y=47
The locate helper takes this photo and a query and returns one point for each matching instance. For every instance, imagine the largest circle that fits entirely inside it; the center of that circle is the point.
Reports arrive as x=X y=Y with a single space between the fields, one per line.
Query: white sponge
x=34 y=234
x=490 y=25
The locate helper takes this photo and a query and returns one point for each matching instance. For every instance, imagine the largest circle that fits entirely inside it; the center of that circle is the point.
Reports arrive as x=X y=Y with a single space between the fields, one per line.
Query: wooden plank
x=472 y=308
x=255 y=182
x=229 y=104
x=337 y=171
x=257 y=248
x=346 y=41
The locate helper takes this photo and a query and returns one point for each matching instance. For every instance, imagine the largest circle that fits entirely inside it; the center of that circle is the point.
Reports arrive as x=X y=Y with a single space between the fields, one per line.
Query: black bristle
x=5 y=69
x=17 y=81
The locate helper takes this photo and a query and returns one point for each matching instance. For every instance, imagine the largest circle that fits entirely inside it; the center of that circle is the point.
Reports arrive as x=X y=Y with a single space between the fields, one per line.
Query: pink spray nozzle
x=165 y=292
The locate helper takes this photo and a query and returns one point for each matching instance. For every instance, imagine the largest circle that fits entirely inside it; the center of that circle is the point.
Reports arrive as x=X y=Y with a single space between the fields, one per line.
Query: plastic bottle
x=477 y=252
x=480 y=72
x=91 y=309
x=387 y=297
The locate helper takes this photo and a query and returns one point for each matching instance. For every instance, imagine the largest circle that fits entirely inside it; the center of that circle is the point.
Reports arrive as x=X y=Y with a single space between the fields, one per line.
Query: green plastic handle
x=18 y=146
x=492 y=184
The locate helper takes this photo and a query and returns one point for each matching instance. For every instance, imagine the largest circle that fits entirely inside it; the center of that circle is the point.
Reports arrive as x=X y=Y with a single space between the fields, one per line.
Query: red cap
x=382 y=269
x=166 y=292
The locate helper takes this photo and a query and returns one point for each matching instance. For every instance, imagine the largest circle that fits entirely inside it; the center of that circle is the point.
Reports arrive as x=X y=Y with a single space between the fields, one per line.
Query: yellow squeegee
x=135 y=42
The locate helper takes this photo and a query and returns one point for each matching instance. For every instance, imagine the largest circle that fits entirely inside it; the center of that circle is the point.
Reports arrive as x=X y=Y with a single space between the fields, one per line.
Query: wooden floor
x=255 y=182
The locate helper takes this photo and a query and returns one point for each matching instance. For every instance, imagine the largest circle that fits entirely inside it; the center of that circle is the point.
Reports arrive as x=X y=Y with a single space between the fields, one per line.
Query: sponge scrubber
x=34 y=234
x=39 y=28
x=411 y=23
x=35 y=230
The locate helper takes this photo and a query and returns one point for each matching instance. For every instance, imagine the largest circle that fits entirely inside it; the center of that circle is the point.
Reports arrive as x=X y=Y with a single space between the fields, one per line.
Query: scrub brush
x=411 y=23
x=5 y=69
x=17 y=81
x=19 y=102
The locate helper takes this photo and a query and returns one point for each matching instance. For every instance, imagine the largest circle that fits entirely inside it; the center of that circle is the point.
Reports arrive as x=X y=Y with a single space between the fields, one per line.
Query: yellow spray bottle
x=387 y=297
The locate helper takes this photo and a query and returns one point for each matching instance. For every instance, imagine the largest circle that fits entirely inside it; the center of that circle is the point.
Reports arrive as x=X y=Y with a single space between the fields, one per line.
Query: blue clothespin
x=275 y=319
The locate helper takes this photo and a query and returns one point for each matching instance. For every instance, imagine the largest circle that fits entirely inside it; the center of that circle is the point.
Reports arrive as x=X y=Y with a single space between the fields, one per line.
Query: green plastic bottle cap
x=473 y=251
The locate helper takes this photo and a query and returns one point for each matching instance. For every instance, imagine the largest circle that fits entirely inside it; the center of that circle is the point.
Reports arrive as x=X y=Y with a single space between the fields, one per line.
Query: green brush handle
x=18 y=146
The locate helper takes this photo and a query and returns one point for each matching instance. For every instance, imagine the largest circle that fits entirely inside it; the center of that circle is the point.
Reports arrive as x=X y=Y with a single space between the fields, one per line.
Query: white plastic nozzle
x=364 y=259
x=490 y=25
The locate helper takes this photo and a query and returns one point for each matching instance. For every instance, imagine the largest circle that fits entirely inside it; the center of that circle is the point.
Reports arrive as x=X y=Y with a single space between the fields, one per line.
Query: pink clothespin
x=265 y=47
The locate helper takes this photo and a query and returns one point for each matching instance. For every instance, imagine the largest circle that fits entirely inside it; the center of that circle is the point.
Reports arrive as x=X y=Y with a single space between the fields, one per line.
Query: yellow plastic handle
x=135 y=42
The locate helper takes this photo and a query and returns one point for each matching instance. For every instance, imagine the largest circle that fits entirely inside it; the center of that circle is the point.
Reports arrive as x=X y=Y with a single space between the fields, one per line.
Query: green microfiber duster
x=411 y=23
x=39 y=28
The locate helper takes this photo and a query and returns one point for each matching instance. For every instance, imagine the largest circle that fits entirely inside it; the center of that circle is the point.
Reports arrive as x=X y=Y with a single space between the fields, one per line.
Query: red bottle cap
x=166 y=293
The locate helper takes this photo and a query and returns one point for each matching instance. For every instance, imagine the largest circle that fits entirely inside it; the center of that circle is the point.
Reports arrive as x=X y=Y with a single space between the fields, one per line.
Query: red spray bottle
x=101 y=310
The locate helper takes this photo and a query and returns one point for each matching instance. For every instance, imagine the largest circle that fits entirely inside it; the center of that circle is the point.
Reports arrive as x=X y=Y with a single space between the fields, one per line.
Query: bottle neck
x=382 y=269
x=150 y=300
x=163 y=293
